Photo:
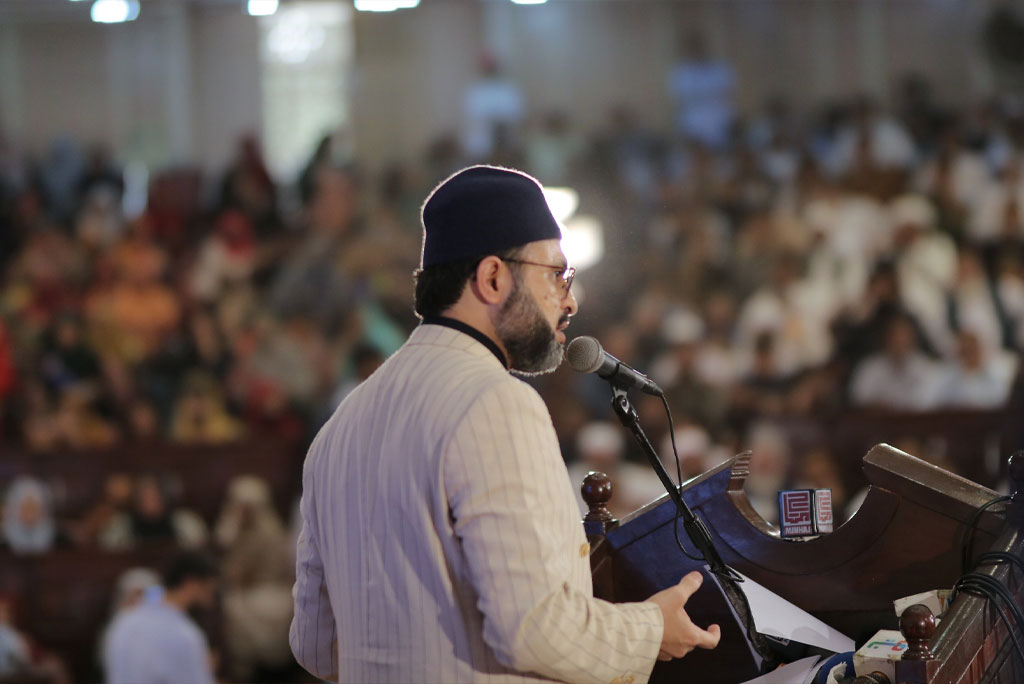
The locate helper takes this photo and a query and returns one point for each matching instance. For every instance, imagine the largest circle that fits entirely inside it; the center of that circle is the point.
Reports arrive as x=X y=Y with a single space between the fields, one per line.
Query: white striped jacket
x=441 y=540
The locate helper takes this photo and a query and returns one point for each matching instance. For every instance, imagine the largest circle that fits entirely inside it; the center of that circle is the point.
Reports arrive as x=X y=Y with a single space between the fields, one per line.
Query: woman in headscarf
x=28 y=524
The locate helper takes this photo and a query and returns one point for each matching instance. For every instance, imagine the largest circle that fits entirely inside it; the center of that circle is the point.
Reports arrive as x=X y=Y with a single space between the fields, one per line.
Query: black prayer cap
x=483 y=210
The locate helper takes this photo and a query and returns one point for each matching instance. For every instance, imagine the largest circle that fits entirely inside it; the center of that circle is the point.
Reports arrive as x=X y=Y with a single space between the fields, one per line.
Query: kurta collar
x=471 y=331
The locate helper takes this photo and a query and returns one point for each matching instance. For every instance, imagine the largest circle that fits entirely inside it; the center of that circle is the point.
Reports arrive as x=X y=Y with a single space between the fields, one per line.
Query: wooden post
x=918 y=626
x=597 y=492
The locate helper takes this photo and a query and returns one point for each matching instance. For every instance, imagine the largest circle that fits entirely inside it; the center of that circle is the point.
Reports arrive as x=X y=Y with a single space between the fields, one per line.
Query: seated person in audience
x=979 y=378
x=151 y=519
x=764 y=388
x=201 y=415
x=859 y=329
x=258 y=572
x=769 y=468
x=28 y=524
x=115 y=499
x=157 y=641
x=131 y=589
x=697 y=454
x=22 y=660
x=818 y=469
x=899 y=377
x=15 y=657
x=66 y=357
x=66 y=418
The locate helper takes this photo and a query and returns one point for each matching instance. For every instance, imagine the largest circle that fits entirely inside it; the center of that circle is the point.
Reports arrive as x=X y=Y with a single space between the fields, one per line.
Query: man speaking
x=440 y=536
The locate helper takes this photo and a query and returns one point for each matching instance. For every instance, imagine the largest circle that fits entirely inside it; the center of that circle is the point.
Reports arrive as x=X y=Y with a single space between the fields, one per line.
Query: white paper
x=800 y=672
x=777 y=617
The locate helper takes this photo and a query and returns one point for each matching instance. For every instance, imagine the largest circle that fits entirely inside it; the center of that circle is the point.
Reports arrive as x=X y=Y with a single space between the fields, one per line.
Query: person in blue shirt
x=156 y=642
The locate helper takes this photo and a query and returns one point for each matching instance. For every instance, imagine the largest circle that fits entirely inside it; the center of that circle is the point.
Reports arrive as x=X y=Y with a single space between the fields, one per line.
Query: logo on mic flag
x=823 y=510
x=805 y=512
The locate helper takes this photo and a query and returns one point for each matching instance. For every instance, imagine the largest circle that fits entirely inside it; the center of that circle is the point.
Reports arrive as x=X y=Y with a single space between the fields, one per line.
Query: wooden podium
x=906 y=538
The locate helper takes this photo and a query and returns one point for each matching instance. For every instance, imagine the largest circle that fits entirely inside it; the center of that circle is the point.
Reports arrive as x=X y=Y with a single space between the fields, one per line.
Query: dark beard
x=528 y=339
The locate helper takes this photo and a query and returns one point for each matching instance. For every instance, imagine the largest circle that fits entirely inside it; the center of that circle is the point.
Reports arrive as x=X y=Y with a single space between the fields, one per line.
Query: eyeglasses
x=564 y=275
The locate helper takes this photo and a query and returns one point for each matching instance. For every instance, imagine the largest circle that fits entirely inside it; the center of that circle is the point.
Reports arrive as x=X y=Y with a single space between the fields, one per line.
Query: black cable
x=981 y=579
x=988 y=586
x=971 y=526
x=729 y=578
x=679 y=481
x=990 y=589
x=995 y=557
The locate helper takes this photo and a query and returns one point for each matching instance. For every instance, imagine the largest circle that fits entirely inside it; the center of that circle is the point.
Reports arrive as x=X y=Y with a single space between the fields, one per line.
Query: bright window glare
x=114 y=11
x=583 y=242
x=262 y=8
x=562 y=202
x=385 y=5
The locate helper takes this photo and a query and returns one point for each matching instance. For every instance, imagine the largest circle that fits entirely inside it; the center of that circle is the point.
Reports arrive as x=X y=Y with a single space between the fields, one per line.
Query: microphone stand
x=698 y=532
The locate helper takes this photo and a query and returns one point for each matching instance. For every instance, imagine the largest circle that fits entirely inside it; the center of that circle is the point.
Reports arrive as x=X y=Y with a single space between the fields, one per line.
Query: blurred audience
x=771 y=272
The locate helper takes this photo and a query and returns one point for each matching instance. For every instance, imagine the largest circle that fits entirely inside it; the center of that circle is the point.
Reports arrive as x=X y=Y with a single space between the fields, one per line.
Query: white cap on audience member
x=600 y=442
x=692 y=445
x=682 y=326
x=132 y=586
x=912 y=210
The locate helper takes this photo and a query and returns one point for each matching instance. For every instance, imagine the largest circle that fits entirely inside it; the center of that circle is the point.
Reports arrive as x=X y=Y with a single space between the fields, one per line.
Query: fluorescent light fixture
x=114 y=11
x=529 y=2
x=562 y=202
x=262 y=8
x=385 y=5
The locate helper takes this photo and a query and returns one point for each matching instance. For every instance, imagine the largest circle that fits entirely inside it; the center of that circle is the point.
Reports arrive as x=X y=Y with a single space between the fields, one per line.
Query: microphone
x=584 y=354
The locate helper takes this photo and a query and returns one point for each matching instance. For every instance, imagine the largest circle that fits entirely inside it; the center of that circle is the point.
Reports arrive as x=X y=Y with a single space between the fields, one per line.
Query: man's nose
x=572 y=306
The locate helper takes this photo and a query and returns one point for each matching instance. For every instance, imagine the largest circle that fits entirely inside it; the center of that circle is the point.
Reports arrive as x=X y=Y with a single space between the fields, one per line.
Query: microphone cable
x=729 y=583
x=993 y=591
x=988 y=587
x=679 y=482
x=968 y=542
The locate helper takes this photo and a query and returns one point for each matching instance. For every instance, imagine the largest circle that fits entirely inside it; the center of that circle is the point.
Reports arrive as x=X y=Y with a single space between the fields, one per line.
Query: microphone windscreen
x=584 y=354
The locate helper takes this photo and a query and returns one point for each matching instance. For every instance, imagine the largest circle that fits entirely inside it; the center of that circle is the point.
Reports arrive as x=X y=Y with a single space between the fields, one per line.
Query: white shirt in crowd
x=910 y=385
x=156 y=643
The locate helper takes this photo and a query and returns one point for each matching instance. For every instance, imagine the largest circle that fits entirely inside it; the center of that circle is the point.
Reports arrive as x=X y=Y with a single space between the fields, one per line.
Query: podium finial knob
x=597 y=492
x=918 y=626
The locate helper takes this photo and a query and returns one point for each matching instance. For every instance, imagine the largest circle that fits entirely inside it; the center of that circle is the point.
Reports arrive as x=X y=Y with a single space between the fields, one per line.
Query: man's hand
x=681 y=635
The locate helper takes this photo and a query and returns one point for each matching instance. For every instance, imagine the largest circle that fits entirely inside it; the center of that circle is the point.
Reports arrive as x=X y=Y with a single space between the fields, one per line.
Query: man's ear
x=492 y=281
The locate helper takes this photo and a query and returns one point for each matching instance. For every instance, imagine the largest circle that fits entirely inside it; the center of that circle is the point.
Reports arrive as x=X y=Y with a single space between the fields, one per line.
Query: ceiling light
x=262 y=8
x=114 y=11
x=384 y=5
x=529 y=2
